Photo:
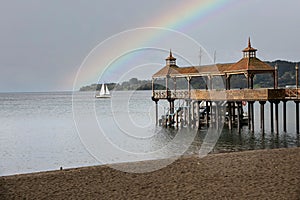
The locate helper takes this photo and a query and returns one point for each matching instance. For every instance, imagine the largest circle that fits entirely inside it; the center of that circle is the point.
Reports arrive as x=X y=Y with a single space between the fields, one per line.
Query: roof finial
x=171 y=53
x=249 y=42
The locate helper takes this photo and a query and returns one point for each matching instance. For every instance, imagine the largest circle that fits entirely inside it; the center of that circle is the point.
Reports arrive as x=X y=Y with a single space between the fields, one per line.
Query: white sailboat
x=104 y=92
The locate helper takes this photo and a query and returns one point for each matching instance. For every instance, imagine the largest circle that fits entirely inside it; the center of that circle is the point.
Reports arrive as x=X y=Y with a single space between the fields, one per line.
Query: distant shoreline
x=273 y=174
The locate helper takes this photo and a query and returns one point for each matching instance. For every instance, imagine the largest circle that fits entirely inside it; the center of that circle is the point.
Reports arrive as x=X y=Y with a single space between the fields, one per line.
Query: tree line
x=286 y=76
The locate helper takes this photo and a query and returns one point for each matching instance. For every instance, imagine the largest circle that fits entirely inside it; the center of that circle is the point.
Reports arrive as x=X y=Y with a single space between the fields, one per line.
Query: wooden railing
x=171 y=94
x=263 y=94
x=292 y=93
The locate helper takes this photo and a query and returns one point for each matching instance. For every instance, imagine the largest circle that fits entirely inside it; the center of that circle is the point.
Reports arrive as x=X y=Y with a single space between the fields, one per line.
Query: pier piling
x=207 y=112
x=271 y=116
x=276 y=117
x=297 y=117
x=239 y=113
x=262 y=116
x=251 y=105
x=229 y=115
x=284 y=115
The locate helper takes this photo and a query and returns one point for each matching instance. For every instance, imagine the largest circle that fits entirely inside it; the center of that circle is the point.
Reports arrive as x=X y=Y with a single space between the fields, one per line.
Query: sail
x=106 y=90
x=102 y=91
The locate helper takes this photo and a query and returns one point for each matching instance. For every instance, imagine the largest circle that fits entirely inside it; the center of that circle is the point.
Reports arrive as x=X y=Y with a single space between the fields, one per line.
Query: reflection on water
x=232 y=141
x=245 y=140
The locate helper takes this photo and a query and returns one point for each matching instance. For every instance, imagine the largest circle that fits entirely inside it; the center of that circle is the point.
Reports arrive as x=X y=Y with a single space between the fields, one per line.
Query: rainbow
x=182 y=17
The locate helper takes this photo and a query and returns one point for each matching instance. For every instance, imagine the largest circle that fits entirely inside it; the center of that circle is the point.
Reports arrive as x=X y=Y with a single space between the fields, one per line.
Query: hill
x=286 y=76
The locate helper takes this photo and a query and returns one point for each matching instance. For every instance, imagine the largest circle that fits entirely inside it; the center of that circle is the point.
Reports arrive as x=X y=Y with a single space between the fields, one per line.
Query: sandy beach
x=260 y=174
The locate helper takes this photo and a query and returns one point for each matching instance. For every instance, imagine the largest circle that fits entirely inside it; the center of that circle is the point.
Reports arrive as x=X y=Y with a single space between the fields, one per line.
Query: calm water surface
x=38 y=132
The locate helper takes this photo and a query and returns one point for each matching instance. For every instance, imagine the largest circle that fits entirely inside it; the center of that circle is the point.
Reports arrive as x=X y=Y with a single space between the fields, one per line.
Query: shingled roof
x=167 y=70
x=217 y=69
x=246 y=65
x=249 y=63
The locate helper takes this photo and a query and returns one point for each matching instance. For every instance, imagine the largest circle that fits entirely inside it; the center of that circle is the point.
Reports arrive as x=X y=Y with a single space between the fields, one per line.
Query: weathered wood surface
x=264 y=94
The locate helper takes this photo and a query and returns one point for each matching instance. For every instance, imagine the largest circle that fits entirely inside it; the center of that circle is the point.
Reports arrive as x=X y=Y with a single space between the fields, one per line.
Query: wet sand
x=260 y=174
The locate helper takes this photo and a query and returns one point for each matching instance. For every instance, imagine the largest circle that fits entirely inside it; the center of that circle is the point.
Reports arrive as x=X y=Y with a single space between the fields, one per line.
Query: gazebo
x=250 y=65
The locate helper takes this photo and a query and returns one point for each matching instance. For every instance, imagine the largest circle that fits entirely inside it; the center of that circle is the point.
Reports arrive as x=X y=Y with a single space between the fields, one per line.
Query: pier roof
x=206 y=70
x=167 y=71
x=249 y=65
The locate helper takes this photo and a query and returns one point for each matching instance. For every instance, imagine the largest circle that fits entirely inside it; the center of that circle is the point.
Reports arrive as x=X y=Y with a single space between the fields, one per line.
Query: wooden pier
x=211 y=85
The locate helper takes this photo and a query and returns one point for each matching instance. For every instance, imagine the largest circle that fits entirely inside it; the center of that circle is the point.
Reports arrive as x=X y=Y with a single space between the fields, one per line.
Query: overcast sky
x=43 y=43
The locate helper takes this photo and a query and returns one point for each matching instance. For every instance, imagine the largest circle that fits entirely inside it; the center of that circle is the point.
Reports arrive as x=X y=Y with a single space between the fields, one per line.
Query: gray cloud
x=43 y=42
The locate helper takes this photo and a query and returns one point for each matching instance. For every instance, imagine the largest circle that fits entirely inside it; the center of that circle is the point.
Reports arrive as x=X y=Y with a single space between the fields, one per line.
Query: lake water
x=44 y=131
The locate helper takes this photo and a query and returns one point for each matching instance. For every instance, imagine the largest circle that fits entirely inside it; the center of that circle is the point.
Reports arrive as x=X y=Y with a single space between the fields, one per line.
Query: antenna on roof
x=200 y=56
x=215 y=56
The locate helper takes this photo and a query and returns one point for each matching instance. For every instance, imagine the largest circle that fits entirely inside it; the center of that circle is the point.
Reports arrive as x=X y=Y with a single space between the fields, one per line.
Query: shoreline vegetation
x=286 y=76
x=257 y=174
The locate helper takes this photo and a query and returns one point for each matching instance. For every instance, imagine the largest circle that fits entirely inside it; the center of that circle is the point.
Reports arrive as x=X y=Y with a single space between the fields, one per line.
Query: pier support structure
x=276 y=116
x=297 y=117
x=230 y=115
x=271 y=116
x=188 y=112
x=171 y=113
x=262 y=116
x=284 y=115
x=239 y=115
x=156 y=110
x=198 y=115
x=208 y=110
x=251 y=115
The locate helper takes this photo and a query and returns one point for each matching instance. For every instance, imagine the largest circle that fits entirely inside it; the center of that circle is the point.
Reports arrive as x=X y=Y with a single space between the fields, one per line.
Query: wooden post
x=229 y=115
x=188 y=107
x=171 y=113
x=217 y=113
x=297 y=76
x=276 y=117
x=175 y=84
x=239 y=107
x=297 y=117
x=262 y=116
x=227 y=82
x=251 y=81
x=156 y=109
x=192 y=104
x=284 y=115
x=153 y=87
x=198 y=114
x=249 y=115
x=177 y=118
x=207 y=112
x=252 y=116
x=271 y=116
x=248 y=81
x=167 y=85
x=156 y=112
x=233 y=111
